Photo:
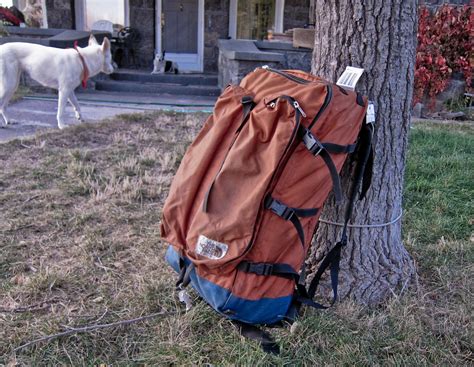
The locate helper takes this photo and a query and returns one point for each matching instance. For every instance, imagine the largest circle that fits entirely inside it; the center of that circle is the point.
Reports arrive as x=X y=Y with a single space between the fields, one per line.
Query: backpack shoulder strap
x=363 y=176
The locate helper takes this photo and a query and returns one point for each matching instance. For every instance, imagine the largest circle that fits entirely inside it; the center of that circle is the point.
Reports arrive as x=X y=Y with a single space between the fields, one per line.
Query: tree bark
x=379 y=36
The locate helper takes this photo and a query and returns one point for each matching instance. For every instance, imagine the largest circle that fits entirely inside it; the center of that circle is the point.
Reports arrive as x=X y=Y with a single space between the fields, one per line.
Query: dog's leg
x=10 y=79
x=3 y=112
x=62 y=100
x=75 y=103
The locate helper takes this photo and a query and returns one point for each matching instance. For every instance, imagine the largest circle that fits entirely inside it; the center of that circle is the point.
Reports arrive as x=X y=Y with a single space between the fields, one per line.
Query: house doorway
x=180 y=32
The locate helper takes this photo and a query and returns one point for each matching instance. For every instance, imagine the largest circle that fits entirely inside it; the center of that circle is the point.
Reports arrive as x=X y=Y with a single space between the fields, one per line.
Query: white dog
x=62 y=69
x=161 y=66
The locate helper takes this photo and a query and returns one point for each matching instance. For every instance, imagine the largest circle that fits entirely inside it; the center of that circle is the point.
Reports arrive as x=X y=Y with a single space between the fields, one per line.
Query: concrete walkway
x=37 y=112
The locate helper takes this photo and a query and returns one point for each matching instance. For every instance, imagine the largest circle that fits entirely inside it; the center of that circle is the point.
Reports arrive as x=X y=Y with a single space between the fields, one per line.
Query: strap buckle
x=312 y=144
x=262 y=269
x=247 y=99
x=279 y=208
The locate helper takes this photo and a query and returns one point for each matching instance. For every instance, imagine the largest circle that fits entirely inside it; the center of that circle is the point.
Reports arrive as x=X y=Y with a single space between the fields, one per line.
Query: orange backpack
x=245 y=202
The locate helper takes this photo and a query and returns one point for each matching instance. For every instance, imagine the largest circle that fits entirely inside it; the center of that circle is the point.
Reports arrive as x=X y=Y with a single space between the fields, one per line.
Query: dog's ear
x=105 y=45
x=92 y=40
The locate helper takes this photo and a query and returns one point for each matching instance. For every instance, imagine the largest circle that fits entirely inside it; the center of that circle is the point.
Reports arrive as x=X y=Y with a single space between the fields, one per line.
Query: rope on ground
x=377 y=225
x=88 y=328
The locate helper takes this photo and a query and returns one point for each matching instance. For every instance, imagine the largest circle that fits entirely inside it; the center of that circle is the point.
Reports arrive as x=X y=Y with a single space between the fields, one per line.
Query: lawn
x=80 y=245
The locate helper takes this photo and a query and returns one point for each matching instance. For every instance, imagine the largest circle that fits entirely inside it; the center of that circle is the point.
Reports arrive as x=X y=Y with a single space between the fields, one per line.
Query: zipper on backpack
x=282 y=162
x=326 y=102
x=286 y=75
x=296 y=79
x=298 y=107
x=236 y=135
x=293 y=102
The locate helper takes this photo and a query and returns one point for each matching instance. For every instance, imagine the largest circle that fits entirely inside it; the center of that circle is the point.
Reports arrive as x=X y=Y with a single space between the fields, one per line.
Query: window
x=253 y=19
x=33 y=10
x=90 y=11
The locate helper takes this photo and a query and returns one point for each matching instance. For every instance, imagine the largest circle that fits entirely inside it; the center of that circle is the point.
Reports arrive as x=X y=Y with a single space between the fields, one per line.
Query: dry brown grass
x=79 y=244
x=79 y=223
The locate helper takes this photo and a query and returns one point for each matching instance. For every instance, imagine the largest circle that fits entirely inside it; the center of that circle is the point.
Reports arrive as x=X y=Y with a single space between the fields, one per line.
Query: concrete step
x=145 y=100
x=182 y=79
x=157 y=88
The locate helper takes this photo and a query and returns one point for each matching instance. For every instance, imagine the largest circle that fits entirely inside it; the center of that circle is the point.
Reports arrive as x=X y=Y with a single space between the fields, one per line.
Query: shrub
x=445 y=45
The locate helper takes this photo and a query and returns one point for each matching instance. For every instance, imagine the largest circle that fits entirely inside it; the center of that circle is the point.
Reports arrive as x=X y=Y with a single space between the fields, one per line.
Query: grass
x=79 y=244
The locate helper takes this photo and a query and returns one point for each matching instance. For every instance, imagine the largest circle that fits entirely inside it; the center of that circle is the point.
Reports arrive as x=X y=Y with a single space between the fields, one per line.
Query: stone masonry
x=216 y=25
x=142 y=18
x=60 y=14
x=296 y=14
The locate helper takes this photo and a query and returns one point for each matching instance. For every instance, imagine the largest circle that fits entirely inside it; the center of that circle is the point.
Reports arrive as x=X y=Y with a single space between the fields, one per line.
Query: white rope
x=364 y=225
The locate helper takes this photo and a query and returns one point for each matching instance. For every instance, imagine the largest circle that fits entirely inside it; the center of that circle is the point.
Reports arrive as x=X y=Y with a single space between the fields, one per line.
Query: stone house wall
x=142 y=18
x=216 y=25
x=296 y=14
x=60 y=14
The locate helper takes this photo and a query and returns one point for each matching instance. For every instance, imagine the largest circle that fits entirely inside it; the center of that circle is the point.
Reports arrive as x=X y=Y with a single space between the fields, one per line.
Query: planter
x=303 y=37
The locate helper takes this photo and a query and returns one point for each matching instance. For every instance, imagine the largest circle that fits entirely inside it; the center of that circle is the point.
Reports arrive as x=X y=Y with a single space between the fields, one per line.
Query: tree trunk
x=379 y=36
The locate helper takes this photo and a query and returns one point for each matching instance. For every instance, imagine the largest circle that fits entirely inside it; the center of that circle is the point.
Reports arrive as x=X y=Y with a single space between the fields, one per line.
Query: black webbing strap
x=317 y=148
x=332 y=259
x=368 y=171
x=339 y=149
x=253 y=332
x=277 y=269
x=184 y=277
x=364 y=164
x=291 y=214
x=247 y=106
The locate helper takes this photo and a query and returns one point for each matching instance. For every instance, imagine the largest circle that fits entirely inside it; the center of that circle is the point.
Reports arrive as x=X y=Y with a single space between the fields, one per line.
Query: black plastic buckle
x=312 y=144
x=281 y=209
x=262 y=269
x=247 y=99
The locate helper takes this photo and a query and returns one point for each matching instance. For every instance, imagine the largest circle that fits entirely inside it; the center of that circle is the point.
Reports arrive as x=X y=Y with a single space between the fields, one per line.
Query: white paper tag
x=350 y=77
x=185 y=298
x=370 y=113
x=211 y=249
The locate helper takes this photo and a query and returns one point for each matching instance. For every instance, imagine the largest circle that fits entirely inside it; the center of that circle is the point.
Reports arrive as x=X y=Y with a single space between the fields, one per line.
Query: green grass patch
x=439 y=194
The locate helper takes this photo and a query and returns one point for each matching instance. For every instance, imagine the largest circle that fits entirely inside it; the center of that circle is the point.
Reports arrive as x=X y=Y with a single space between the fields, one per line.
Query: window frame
x=16 y=3
x=279 y=13
x=80 y=12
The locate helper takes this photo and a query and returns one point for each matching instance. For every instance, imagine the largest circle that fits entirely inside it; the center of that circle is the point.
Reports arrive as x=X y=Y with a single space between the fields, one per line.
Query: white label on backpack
x=350 y=77
x=211 y=249
x=370 y=113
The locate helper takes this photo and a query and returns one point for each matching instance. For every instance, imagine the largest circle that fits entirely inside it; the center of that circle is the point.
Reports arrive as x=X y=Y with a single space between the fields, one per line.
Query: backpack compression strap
x=332 y=259
x=316 y=148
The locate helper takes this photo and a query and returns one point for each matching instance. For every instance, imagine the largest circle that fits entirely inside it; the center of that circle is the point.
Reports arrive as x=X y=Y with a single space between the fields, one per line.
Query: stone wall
x=232 y=71
x=142 y=18
x=296 y=14
x=216 y=25
x=441 y=2
x=60 y=14
x=233 y=66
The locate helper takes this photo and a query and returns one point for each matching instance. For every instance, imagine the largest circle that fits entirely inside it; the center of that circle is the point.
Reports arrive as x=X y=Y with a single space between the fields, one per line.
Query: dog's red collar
x=85 y=72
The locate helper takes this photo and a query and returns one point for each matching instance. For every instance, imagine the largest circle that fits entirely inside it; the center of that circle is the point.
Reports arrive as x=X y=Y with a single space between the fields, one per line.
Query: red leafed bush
x=445 y=45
